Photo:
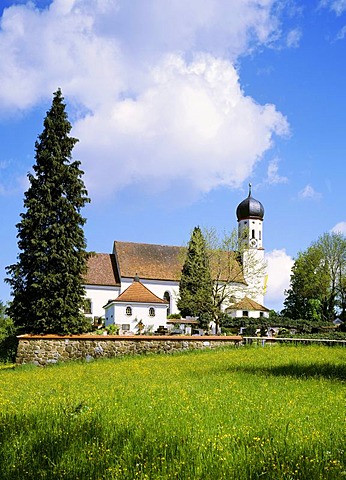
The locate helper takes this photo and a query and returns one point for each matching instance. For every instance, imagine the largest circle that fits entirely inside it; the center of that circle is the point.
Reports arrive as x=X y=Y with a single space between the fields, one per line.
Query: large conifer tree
x=196 y=286
x=46 y=281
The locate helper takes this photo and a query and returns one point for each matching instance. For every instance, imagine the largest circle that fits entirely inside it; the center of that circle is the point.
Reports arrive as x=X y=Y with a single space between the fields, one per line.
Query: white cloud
x=310 y=193
x=338 y=6
x=279 y=266
x=339 y=228
x=273 y=175
x=342 y=33
x=193 y=123
x=293 y=38
x=152 y=107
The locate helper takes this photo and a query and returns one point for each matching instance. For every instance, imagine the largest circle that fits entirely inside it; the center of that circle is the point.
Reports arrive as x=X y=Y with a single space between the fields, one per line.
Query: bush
x=8 y=340
x=112 y=329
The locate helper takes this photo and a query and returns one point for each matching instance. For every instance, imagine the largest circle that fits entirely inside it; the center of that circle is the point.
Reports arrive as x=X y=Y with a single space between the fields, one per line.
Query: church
x=137 y=285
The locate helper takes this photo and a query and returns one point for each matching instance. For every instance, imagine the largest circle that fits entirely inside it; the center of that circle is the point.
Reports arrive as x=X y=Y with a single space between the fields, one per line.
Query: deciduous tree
x=317 y=289
x=229 y=273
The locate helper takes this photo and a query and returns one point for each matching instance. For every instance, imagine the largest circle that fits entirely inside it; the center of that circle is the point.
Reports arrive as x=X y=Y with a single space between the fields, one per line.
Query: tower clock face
x=253 y=242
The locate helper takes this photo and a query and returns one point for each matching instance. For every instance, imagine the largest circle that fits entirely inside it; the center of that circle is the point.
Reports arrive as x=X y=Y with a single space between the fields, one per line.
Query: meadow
x=242 y=413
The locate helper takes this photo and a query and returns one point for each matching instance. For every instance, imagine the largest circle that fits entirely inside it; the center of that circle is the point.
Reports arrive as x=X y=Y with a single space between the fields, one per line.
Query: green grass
x=246 y=413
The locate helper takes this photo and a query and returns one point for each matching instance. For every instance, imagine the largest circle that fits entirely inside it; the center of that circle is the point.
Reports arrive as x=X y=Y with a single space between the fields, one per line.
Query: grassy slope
x=276 y=412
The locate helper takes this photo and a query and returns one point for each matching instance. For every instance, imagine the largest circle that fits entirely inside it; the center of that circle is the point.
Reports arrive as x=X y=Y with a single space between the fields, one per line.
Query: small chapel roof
x=247 y=304
x=139 y=293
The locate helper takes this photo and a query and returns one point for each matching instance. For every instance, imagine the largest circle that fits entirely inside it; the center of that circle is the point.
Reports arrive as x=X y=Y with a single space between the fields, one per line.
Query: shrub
x=8 y=340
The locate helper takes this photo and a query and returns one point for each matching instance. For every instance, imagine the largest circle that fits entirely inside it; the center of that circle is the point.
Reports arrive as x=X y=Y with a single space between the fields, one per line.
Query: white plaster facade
x=118 y=313
x=159 y=288
x=250 y=313
x=99 y=295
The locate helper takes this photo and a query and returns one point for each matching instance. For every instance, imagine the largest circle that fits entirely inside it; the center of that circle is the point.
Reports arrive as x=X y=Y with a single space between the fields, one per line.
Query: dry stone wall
x=49 y=349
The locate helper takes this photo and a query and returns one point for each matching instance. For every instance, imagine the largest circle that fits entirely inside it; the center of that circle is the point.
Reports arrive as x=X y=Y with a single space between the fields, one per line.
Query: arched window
x=167 y=296
x=151 y=312
x=87 y=306
x=253 y=234
x=128 y=311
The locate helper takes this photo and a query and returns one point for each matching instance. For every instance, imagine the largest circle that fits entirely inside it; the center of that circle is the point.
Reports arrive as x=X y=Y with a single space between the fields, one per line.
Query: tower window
x=252 y=233
x=260 y=235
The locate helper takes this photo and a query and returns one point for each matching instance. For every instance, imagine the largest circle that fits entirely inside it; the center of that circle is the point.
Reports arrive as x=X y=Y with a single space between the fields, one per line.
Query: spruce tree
x=196 y=285
x=47 y=280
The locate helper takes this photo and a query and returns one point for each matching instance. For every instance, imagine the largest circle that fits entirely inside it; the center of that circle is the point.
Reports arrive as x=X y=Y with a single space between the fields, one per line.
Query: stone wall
x=49 y=349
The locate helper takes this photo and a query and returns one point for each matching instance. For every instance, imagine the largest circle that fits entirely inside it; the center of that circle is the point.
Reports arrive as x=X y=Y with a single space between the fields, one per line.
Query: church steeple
x=250 y=214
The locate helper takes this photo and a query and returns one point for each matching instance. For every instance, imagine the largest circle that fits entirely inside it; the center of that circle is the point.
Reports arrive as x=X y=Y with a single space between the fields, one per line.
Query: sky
x=177 y=107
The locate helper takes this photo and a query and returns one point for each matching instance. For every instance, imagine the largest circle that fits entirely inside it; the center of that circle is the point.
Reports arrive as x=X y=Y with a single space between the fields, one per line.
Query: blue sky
x=177 y=107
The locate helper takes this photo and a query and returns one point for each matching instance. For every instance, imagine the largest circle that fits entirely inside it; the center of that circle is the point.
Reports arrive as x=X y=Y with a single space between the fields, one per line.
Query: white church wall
x=158 y=288
x=117 y=313
x=99 y=295
x=251 y=314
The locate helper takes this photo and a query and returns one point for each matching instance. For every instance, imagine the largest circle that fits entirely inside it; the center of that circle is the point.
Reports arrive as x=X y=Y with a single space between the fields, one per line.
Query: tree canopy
x=318 y=281
x=46 y=281
x=196 y=285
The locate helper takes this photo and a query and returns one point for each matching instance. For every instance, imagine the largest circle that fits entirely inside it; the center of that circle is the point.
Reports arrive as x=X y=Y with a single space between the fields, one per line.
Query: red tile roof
x=102 y=270
x=247 y=304
x=159 y=262
x=137 y=292
x=154 y=262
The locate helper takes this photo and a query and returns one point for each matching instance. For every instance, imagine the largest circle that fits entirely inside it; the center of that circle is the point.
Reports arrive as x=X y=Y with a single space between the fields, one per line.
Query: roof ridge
x=150 y=244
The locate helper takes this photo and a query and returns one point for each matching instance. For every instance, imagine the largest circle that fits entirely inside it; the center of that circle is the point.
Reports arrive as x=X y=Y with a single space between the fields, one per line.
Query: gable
x=247 y=304
x=139 y=293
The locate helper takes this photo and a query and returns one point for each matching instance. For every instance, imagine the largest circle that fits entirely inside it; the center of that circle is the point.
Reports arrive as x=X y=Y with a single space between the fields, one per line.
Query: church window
x=260 y=235
x=128 y=311
x=245 y=313
x=261 y=314
x=253 y=234
x=87 y=306
x=166 y=296
x=151 y=312
x=125 y=327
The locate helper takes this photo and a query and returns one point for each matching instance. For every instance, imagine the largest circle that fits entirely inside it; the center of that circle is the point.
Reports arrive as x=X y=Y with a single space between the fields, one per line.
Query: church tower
x=250 y=214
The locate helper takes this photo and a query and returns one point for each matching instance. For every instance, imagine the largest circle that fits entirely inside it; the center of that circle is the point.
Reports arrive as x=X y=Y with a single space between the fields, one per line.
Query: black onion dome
x=250 y=208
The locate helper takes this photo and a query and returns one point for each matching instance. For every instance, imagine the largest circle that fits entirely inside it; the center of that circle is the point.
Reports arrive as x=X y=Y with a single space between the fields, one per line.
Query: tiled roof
x=247 y=304
x=159 y=262
x=137 y=292
x=165 y=262
x=102 y=270
x=149 y=261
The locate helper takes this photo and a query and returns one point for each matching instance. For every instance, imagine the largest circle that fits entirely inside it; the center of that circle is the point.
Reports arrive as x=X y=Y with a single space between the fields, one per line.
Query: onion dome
x=250 y=208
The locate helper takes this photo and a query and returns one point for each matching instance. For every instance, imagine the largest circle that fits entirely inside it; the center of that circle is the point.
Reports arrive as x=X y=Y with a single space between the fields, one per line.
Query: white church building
x=139 y=282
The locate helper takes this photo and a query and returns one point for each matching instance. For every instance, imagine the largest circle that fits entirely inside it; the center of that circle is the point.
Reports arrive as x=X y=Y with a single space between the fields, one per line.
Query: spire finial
x=250 y=186
x=136 y=278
